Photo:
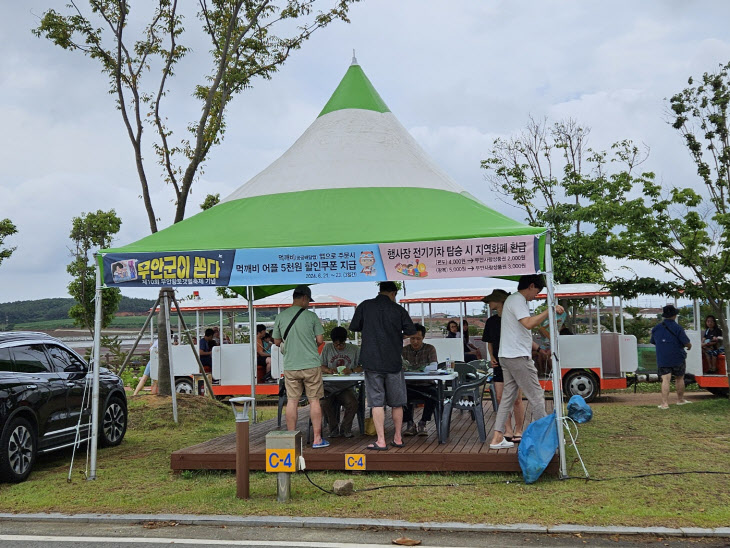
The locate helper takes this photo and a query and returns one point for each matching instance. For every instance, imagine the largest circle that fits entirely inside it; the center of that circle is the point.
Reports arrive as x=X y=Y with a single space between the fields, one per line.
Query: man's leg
x=525 y=376
x=348 y=400
x=519 y=414
x=315 y=415
x=328 y=406
x=679 y=385
x=397 y=423
x=665 y=390
x=292 y=406
x=379 y=422
x=509 y=393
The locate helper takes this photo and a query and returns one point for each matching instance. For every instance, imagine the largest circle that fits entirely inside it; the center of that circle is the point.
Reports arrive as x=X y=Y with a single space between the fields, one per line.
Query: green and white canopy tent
x=355 y=198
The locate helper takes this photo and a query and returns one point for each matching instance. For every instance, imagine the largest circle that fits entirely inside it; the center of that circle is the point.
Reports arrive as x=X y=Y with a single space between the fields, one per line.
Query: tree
x=249 y=39
x=88 y=232
x=550 y=174
x=684 y=230
x=7 y=228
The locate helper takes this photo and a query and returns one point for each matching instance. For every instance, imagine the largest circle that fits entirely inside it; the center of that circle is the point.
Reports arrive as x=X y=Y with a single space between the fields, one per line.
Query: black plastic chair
x=467 y=397
x=485 y=367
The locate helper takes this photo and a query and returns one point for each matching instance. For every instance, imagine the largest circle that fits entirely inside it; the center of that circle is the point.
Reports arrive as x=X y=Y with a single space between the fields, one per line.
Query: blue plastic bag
x=579 y=410
x=537 y=448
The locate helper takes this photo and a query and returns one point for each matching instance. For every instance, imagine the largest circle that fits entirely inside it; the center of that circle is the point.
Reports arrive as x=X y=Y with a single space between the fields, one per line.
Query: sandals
x=401 y=444
x=375 y=447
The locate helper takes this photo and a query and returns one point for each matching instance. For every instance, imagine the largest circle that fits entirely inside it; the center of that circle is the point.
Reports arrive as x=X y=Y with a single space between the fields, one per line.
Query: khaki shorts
x=307 y=381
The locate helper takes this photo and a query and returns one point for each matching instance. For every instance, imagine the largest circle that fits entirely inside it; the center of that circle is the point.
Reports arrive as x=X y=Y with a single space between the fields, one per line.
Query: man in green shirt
x=302 y=333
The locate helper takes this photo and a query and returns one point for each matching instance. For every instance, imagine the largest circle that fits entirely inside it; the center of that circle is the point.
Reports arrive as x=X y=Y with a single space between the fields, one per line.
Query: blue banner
x=194 y=268
x=310 y=265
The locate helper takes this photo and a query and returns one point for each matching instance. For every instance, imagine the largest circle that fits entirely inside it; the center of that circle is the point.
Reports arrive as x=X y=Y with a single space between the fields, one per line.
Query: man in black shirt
x=383 y=322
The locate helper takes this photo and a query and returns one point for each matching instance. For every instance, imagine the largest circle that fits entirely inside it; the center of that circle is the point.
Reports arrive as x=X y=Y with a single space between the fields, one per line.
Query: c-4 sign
x=280 y=460
x=354 y=461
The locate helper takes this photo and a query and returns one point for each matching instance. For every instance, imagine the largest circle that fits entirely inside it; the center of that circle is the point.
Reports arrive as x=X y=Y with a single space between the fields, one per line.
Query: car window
x=63 y=360
x=6 y=362
x=31 y=358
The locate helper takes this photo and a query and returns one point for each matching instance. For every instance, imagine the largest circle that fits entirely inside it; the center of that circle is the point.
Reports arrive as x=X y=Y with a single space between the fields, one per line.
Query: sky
x=456 y=74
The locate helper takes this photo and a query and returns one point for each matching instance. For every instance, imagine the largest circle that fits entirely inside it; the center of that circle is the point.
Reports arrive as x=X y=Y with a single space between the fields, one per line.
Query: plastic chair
x=467 y=397
x=485 y=367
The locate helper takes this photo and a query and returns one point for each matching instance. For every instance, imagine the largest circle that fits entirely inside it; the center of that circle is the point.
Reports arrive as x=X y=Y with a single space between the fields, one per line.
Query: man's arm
x=356 y=322
x=531 y=322
x=492 y=357
x=204 y=352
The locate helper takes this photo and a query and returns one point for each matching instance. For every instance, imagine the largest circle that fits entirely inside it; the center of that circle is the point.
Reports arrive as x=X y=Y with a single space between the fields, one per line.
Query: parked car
x=42 y=384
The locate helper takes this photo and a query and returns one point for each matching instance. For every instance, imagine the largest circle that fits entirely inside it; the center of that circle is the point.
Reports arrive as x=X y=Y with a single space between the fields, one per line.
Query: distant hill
x=22 y=312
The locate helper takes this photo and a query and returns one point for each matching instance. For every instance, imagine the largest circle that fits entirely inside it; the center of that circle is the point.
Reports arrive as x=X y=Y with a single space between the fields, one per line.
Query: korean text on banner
x=505 y=256
x=210 y=268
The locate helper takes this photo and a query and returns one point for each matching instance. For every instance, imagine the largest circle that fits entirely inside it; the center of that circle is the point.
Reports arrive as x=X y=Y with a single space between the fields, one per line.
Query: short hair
x=209 y=332
x=420 y=328
x=260 y=327
x=339 y=334
x=388 y=287
x=531 y=279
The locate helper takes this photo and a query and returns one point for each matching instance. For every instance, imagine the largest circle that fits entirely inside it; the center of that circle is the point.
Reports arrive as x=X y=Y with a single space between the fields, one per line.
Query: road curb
x=348 y=523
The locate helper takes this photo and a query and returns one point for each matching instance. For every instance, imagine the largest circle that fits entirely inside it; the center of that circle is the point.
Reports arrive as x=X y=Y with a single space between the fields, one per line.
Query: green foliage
x=89 y=232
x=637 y=326
x=549 y=173
x=210 y=201
x=685 y=231
x=7 y=228
x=247 y=40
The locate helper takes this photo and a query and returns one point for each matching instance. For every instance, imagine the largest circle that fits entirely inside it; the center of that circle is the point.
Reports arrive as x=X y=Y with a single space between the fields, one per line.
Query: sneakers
x=320 y=445
x=410 y=430
x=683 y=402
x=504 y=444
x=421 y=429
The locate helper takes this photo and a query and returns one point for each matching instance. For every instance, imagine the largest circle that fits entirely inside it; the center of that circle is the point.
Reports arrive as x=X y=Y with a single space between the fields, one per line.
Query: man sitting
x=342 y=358
x=418 y=355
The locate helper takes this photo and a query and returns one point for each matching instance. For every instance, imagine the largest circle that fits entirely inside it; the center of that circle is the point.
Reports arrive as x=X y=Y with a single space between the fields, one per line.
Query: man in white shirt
x=515 y=355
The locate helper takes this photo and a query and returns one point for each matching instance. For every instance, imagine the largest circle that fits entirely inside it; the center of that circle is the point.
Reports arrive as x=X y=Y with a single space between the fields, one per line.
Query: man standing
x=205 y=349
x=671 y=341
x=383 y=322
x=301 y=332
x=418 y=355
x=515 y=355
x=343 y=358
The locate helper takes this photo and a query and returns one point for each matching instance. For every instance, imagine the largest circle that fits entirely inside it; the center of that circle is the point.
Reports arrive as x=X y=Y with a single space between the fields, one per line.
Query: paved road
x=154 y=535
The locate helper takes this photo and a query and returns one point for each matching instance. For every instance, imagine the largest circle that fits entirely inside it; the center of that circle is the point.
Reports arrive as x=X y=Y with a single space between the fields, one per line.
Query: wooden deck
x=463 y=452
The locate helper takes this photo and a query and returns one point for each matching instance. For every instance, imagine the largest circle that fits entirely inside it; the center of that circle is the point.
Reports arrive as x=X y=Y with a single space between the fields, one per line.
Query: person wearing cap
x=383 y=322
x=670 y=341
x=515 y=355
x=301 y=331
x=492 y=330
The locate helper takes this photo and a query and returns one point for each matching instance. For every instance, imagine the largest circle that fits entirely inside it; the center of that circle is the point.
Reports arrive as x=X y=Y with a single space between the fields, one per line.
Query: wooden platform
x=463 y=452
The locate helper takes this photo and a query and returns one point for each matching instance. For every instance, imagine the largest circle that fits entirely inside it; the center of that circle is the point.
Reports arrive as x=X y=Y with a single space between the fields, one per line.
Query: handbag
x=282 y=347
x=370 y=425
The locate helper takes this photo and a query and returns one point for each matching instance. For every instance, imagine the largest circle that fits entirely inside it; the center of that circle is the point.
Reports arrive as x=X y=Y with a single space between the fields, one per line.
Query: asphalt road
x=154 y=535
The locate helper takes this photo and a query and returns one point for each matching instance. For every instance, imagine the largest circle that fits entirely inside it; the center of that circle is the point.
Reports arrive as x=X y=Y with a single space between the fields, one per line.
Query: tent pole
x=555 y=355
x=423 y=315
x=252 y=344
x=621 y=311
x=192 y=347
x=139 y=336
x=166 y=309
x=197 y=325
x=95 y=377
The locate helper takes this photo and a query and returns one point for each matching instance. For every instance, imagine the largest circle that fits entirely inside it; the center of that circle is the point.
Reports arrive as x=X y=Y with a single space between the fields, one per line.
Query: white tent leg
x=555 y=356
x=95 y=378
x=252 y=343
x=197 y=325
x=423 y=315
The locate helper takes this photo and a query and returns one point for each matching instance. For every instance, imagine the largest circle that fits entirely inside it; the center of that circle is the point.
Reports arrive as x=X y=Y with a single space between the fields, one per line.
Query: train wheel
x=582 y=383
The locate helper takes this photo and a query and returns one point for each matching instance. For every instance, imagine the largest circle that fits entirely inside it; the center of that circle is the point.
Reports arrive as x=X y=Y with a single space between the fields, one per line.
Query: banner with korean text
x=474 y=257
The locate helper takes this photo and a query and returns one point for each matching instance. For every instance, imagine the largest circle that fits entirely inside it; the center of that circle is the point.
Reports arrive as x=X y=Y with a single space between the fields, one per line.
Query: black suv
x=42 y=401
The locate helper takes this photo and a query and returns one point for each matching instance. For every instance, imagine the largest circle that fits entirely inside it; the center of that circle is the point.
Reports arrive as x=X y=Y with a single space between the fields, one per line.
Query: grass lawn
x=620 y=441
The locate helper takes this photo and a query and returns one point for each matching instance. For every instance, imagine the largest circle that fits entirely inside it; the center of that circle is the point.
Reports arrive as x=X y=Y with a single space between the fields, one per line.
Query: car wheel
x=184 y=386
x=113 y=423
x=581 y=383
x=18 y=446
x=717 y=391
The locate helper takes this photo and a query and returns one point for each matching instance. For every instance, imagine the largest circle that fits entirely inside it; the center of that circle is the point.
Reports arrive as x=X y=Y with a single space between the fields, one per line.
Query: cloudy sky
x=457 y=74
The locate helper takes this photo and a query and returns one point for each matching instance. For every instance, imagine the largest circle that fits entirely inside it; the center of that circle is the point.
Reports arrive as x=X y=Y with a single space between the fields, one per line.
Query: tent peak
x=355 y=92
x=354 y=59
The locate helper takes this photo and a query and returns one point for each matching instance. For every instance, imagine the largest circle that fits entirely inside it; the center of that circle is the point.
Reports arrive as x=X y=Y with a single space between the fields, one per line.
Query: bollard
x=283 y=450
x=242 y=468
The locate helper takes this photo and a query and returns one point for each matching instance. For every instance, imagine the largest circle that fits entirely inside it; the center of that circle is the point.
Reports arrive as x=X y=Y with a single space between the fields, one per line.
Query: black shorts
x=261 y=360
x=677 y=371
x=498 y=375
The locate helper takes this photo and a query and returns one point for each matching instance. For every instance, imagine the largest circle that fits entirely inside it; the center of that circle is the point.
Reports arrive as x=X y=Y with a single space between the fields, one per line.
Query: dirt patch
x=646 y=398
